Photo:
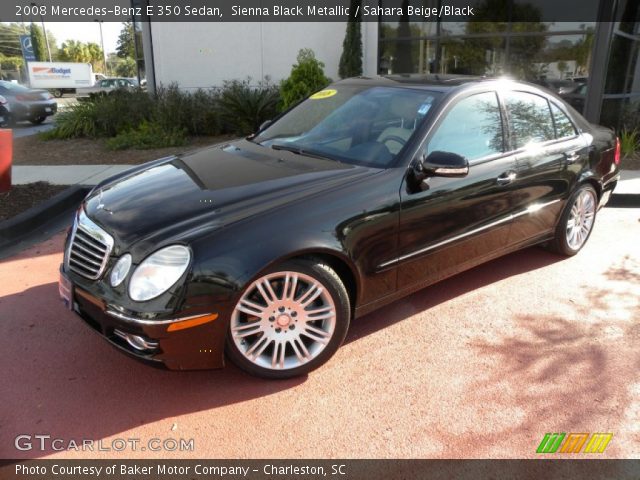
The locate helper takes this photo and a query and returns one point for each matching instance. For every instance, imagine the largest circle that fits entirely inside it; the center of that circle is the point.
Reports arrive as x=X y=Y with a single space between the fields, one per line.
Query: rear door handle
x=506 y=178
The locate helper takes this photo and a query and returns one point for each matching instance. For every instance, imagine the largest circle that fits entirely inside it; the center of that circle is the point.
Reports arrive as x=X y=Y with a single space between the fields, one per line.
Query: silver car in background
x=108 y=85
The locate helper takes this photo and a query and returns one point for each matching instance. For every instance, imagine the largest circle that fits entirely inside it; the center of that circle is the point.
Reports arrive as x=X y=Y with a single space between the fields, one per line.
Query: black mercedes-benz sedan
x=267 y=247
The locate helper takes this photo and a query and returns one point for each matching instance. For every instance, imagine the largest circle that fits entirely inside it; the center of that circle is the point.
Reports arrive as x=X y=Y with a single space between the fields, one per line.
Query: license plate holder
x=65 y=289
x=47 y=109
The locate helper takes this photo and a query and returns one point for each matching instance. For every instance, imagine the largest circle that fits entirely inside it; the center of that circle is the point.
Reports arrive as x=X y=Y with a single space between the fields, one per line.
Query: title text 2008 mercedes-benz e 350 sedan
x=267 y=247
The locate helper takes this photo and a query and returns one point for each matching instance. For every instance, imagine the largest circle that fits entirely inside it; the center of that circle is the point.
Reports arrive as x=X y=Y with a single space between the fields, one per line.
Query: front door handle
x=506 y=178
x=572 y=156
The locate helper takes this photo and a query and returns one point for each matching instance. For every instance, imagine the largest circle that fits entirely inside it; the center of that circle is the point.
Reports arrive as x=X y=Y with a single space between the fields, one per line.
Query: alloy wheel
x=283 y=320
x=580 y=219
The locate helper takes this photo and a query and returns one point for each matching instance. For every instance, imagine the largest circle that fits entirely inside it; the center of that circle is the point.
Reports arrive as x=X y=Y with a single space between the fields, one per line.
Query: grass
x=629 y=142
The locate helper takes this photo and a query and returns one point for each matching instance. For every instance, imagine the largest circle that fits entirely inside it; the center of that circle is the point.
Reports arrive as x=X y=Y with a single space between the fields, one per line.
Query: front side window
x=564 y=126
x=530 y=118
x=352 y=124
x=472 y=128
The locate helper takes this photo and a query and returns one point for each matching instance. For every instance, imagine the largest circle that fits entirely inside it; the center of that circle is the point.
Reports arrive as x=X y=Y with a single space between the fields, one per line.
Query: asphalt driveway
x=481 y=365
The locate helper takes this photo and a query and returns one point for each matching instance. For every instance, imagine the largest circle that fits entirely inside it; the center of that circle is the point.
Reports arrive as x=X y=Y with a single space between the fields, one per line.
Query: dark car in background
x=576 y=96
x=269 y=246
x=4 y=111
x=26 y=104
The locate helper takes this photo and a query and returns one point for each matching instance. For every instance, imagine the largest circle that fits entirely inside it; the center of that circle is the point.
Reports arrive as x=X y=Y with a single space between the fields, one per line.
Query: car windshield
x=352 y=124
x=12 y=87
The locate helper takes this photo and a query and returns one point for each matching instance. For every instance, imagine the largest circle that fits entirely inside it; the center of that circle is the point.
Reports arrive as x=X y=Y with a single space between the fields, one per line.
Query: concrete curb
x=13 y=229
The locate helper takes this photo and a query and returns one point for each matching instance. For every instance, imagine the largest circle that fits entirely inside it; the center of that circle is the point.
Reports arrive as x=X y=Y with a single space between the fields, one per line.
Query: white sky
x=86 y=32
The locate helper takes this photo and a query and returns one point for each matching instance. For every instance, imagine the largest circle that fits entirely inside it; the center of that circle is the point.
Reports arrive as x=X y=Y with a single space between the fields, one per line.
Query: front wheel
x=576 y=222
x=289 y=321
x=37 y=120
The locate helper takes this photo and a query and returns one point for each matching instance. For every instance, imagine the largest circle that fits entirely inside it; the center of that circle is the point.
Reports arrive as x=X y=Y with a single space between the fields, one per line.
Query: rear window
x=530 y=116
x=564 y=126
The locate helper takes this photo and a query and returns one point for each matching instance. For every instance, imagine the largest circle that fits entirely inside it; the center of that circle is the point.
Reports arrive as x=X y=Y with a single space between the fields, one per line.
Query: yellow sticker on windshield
x=323 y=94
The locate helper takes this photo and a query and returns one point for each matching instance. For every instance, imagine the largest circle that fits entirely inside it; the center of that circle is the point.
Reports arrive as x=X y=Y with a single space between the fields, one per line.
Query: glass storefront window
x=407 y=56
x=472 y=56
x=623 y=71
x=628 y=16
x=554 y=61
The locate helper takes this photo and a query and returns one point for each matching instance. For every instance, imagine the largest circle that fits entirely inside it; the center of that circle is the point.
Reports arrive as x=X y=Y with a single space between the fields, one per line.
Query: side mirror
x=442 y=164
x=265 y=124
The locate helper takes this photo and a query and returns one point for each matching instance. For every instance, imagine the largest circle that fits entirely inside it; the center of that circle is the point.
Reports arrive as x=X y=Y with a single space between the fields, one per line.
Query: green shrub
x=307 y=76
x=196 y=112
x=243 y=107
x=80 y=120
x=123 y=110
x=103 y=115
x=629 y=142
x=134 y=118
x=148 y=135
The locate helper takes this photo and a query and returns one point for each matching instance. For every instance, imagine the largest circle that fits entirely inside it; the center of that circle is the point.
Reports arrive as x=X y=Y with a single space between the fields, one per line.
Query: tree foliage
x=123 y=67
x=126 y=41
x=38 y=42
x=10 y=39
x=351 y=58
x=81 y=52
x=307 y=76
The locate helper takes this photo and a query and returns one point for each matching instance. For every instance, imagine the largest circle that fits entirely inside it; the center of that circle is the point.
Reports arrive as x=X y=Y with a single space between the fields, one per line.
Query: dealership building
x=604 y=54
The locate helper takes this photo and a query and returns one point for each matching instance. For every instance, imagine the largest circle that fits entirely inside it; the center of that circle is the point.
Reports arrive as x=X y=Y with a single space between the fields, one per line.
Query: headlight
x=120 y=270
x=158 y=272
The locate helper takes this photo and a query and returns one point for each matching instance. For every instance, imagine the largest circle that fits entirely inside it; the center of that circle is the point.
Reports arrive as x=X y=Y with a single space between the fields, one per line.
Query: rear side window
x=472 y=128
x=564 y=126
x=530 y=117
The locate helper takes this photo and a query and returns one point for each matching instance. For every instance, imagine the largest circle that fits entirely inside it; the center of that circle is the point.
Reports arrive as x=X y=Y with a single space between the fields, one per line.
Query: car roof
x=440 y=83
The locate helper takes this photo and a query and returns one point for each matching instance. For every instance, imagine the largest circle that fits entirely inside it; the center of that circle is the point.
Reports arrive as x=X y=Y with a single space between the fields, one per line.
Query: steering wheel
x=394 y=138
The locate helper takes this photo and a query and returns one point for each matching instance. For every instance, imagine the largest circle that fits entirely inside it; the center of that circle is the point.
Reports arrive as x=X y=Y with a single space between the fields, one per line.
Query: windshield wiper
x=301 y=151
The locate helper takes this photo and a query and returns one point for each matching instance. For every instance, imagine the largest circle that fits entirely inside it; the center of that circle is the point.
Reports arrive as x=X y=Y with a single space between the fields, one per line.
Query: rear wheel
x=57 y=93
x=289 y=321
x=577 y=221
x=10 y=121
x=37 y=120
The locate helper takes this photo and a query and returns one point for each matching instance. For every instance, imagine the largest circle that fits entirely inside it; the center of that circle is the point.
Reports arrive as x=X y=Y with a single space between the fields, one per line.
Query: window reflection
x=564 y=127
x=472 y=56
x=546 y=59
x=530 y=118
x=472 y=128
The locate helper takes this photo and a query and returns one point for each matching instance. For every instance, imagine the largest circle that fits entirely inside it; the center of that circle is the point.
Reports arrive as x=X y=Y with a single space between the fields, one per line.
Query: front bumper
x=184 y=342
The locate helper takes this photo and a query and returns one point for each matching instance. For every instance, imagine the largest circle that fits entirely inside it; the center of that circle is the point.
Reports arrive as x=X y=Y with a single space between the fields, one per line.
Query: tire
x=57 y=93
x=269 y=332
x=10 y=121
x=570 y=236
x=37 y=120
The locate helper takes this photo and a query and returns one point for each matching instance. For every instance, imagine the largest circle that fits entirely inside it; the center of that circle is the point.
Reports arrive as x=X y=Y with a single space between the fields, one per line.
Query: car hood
x=178 y=198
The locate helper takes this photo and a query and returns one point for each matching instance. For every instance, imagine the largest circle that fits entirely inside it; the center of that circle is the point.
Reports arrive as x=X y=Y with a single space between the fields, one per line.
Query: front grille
x=89 y=248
